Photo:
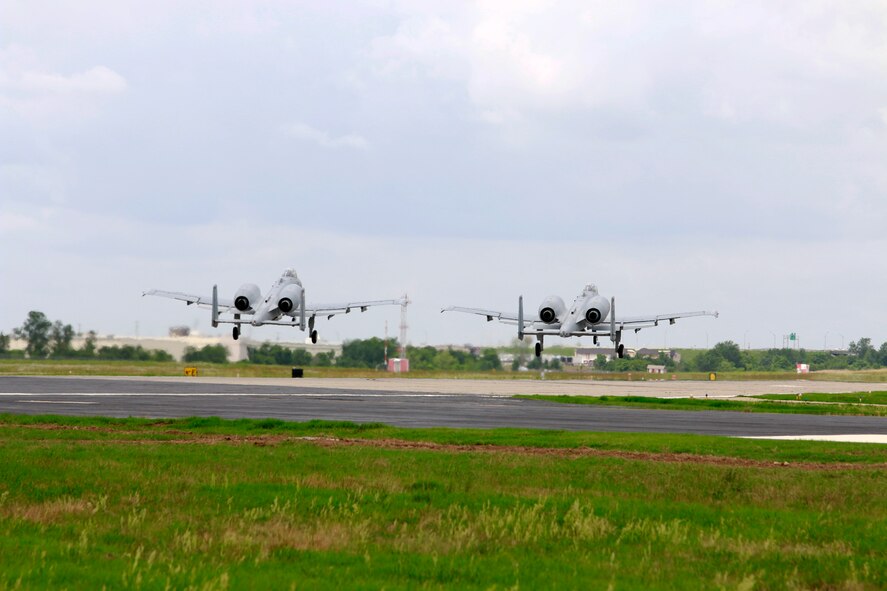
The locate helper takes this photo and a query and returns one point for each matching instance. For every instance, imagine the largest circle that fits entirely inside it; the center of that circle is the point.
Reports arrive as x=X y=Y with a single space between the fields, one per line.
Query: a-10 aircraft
x=284 y=305
x=590 y=315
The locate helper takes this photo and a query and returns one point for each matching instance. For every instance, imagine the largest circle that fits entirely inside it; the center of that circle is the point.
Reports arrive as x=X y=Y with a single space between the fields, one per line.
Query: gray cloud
x=724 y=155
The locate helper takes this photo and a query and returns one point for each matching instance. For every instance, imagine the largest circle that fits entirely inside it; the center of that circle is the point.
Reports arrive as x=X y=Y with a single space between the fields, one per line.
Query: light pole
x=745 y=339
x=774 y=338
x=825 y=342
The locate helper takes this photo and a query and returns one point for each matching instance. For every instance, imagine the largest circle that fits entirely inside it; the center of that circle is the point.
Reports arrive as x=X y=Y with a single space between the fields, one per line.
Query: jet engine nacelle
x=247 y=295
x=552 y=309
x=597 y=309
x=290 y=299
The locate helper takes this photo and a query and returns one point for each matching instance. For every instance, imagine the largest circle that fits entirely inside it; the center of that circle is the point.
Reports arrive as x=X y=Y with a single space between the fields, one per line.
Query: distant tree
x=4 y=344
x=860 y=348
x=534 y=363
x=489 y=360
x=301 y=357
x=124 y=353
x=445 y=360
x=161 y=355
x=882 y=355
x=36 y=332
x=777 y=360
x=60 y=340
x=729 y=351
x=207 y=354
x=88 y=349
x=324 y=359
x=421 y=357
x=364 y=353
x=271 y=354
x=864 y=354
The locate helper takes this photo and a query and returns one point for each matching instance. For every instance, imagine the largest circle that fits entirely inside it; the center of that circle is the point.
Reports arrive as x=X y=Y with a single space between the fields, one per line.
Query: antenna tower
x=385 y=350
x=404 y=302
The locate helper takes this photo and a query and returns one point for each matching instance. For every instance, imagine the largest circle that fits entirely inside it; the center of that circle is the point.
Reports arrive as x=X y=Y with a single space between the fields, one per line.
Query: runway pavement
x=418 y=403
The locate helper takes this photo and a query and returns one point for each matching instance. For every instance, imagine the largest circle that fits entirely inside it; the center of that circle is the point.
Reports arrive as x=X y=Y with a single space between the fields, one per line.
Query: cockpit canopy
x=289 y=276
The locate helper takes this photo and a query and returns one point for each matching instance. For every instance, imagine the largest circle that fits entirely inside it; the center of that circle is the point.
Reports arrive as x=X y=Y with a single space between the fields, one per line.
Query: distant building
x=586 y=356
x=654 y=354
x=655 y=369
x=175 y=346
x=398 y=365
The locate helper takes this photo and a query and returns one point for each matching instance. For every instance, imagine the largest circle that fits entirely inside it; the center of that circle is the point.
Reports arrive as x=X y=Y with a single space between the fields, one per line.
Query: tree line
x=371 y=353
x=45 y=339
x=726 y=356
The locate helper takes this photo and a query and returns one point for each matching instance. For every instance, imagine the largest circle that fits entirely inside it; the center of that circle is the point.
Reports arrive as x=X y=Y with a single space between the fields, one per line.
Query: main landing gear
x=314 y=337
x=539 y=347
x=620 y=351
x=236 y=332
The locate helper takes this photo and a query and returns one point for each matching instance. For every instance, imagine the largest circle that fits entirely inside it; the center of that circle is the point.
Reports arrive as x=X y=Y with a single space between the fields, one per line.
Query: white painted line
x=850 y=438
x=55 y=402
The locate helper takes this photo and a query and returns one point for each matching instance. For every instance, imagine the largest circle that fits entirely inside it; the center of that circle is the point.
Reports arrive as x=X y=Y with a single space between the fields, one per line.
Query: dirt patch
x=189 y=438
x=583 y=452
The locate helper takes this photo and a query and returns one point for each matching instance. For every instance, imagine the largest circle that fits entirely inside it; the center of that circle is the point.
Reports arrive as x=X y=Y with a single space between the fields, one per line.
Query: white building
x=176 y=345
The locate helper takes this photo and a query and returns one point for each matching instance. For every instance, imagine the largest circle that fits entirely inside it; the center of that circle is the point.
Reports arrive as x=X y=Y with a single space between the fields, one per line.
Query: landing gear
x=236 y=333
x=539 y=348
x=314 y=337
x=620 y=351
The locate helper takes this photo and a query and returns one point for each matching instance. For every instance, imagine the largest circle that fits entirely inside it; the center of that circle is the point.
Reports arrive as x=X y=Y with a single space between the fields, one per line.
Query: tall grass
x=118 y=505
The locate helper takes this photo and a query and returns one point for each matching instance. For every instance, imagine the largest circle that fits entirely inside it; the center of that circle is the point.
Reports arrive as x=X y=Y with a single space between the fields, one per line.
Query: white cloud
x=324 y=139
x=43 y=97
x=742 y=61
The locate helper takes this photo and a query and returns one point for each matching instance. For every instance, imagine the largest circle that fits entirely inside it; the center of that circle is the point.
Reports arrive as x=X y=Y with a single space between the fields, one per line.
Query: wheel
x=236 y=333
x=621 y=351
x=314 y=337
x=538 y=349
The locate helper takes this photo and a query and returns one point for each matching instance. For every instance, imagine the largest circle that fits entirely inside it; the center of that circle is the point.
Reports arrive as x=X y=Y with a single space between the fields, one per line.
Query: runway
x=406 y=403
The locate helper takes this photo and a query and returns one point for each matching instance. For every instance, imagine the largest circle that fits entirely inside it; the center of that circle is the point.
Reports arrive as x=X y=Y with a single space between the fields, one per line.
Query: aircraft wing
x=636 y=323
x=331 y=310
x=225 y=304
x=503 y=317
x=644 y=321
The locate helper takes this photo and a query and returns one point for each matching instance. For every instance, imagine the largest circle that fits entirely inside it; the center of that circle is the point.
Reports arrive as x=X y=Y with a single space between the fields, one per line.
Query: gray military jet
x=590 y=315
x=285 y=305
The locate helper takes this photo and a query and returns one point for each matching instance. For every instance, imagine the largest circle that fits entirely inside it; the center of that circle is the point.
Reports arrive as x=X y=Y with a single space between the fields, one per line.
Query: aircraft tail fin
x=520 y=318
x=215 y=318
x=302 y=313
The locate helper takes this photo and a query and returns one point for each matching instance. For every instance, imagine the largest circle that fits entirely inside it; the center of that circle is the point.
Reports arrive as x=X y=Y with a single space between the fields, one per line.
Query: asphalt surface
x=169 y=398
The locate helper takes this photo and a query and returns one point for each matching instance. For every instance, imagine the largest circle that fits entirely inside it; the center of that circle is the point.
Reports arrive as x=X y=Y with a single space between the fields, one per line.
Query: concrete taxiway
x=425 y=403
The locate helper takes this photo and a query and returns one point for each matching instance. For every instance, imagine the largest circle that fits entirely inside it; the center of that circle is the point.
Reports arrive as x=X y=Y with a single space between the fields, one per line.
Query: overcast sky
x=682 y=156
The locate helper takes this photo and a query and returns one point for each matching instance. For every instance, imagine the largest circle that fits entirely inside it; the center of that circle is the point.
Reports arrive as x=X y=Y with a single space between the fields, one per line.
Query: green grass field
x=90 y=503
x=858 y=397
x=861 y=404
